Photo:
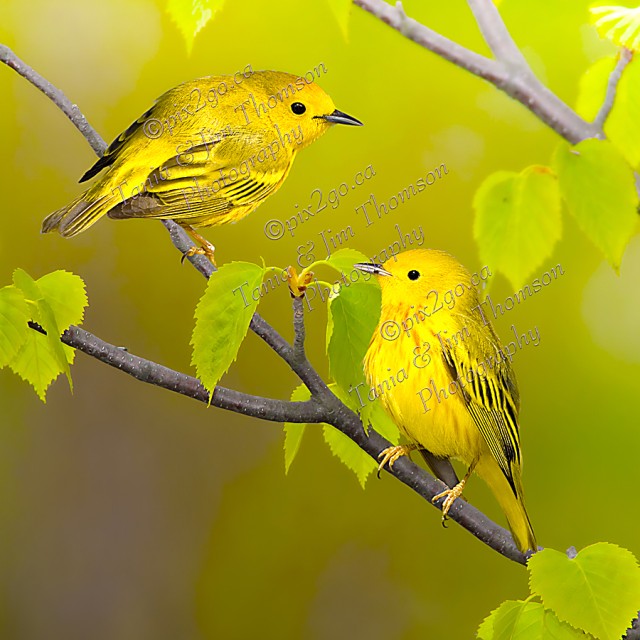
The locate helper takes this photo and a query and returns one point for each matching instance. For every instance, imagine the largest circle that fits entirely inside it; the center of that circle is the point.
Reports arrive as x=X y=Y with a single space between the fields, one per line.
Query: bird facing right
x=458 y=396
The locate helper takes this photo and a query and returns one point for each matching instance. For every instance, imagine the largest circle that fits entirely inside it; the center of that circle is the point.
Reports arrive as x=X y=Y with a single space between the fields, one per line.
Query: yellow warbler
x=458 y=396
x=207 y=152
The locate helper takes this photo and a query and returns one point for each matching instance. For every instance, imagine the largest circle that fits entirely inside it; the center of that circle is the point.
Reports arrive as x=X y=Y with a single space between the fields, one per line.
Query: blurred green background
x=132 y=513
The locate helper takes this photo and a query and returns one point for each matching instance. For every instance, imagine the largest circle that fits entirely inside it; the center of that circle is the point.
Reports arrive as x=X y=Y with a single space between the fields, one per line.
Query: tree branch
x=312 y=411
x=425 y=485
x=517 y=81
x=161 y=376
x=56 y=96
x=464 y=58
x=612 y=87
x=324 y=405
x=497 y=36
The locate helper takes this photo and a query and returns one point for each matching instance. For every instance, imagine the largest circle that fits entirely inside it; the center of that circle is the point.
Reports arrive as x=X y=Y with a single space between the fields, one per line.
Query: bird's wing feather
x=492 y=402
x=115 y=148
x=204 y=180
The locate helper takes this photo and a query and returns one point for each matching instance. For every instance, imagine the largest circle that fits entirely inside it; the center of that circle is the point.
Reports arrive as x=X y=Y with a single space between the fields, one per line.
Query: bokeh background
x=131 y=513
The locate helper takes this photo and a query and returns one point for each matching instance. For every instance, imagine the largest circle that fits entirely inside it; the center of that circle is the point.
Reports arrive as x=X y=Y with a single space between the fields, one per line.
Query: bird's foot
x=207 y=250
x=389 y=455
x=450 y=496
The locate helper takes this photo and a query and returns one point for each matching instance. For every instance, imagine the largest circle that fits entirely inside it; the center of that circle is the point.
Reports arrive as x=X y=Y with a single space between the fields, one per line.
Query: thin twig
x=298 y=328
x=56 y=96
x=396 y=18
x=612 y=87
x=497 y=36
x=521 y=85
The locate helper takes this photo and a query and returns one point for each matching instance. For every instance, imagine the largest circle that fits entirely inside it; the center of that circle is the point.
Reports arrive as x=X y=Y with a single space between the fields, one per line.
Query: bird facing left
x=204 y=162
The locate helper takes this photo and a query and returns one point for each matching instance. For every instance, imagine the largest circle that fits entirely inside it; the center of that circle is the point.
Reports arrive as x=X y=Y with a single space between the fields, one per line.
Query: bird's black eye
x=298 y=108
x=413 y=274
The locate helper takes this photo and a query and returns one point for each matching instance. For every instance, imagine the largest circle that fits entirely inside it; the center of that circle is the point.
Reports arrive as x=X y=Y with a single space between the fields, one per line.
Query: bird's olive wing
x=203 y=185
x=212 y=182
x=492 y=402
x=115 y=148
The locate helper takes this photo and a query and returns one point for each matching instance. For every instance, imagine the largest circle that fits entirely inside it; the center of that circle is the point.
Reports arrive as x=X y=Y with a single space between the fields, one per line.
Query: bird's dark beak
x=337 y=117
x=371 y=267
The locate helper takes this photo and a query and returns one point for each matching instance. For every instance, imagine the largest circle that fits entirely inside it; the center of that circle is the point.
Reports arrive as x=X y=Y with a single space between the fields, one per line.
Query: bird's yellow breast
x=418 y=390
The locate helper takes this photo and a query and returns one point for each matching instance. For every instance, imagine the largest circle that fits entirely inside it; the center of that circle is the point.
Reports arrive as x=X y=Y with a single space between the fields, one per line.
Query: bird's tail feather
x=78 y=215
x=512 y=506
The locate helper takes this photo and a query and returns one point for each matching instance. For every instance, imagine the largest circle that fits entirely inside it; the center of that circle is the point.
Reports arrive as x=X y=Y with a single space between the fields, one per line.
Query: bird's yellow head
x=412 y=275
x=294 y=103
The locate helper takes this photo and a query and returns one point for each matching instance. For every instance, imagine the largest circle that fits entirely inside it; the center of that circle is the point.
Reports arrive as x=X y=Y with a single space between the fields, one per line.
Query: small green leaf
x=485 y=630
x=374 y=414
x=355 y=312
x=43 y=314
x=621 y=25
x=222 y=317
x=191 y=16
x=36 y=364
x=622 y=126
x=14 y=316
x=525 y=620
x=293 y=431
x=49 y=324
x=361 y=463
x=55 y=301
x=329 y=331
x=65 y=293
x=599 y=189
x=344 y=259
x=349 y=453
x=518 y=220
x=597 y=591
x=27 y=285
x=341 y=9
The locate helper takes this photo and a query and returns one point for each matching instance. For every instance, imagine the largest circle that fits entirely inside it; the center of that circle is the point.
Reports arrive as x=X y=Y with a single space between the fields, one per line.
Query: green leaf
x=349 y=453
x=621 y=25
x=622 y=126
x=344 y=259
x=597 y=591
x=49 y=324
x=341 y=9
x=191 y=16
x=518 y=220
x=354 y=312
x=36 y=363
x=599 y=189
x=293 y=431
x=525 y=620
x=65 y=293
x=42 y=313
x=14 y=316
x=55 y=301
x=374 y=414
x=222 y=317
x=23 y=281
x=361 y=463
